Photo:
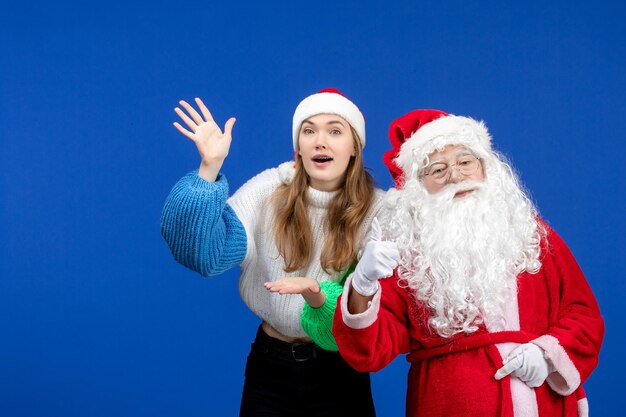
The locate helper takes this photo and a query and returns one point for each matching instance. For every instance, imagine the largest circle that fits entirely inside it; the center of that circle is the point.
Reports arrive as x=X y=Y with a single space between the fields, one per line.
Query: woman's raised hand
x=212 y=143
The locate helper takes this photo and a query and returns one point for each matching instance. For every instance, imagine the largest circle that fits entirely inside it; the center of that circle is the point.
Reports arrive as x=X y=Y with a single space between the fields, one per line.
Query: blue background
x=96 y=319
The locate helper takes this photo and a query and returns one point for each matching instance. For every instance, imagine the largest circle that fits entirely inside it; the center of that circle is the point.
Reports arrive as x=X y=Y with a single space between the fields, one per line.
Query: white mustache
x=447 y=194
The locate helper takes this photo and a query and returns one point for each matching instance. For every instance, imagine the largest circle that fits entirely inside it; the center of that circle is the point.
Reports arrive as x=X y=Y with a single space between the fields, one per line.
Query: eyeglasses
x=440 y=171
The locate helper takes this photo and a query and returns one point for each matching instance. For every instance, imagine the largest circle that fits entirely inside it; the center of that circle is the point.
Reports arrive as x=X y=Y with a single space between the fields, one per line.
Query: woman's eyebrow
x=330 y=122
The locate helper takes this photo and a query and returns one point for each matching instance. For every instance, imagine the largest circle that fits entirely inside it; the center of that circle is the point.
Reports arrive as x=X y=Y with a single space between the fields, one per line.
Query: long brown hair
x=292 y=230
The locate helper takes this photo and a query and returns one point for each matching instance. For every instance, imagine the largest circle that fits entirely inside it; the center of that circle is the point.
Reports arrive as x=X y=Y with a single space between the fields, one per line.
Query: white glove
x=379 y=260
x=527 y=363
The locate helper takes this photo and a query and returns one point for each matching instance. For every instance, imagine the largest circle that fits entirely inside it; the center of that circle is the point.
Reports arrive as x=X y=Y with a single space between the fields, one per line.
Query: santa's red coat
x=448 y=377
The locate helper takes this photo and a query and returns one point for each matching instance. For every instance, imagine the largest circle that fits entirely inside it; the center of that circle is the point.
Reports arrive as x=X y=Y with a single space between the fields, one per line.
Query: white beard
x=461 y=256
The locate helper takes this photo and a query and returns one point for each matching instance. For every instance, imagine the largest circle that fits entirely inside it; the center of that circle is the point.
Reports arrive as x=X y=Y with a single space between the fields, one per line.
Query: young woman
x=293 y=229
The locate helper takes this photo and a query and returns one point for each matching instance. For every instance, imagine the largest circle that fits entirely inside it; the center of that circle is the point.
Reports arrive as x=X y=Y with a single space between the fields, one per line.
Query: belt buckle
x=300 y=358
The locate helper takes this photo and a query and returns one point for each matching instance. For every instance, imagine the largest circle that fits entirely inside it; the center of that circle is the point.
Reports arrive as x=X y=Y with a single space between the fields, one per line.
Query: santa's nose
x=455 y=175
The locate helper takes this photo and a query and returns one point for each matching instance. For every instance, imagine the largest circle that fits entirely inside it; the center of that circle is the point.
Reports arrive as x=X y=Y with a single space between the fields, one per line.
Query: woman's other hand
x=307 y=287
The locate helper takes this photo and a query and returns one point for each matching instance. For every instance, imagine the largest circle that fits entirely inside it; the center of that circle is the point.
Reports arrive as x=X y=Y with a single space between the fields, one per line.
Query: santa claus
x=488 y=302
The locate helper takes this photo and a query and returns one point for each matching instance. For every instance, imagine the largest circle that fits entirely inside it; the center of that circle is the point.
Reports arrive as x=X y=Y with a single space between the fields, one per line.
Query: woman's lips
x=321 y=160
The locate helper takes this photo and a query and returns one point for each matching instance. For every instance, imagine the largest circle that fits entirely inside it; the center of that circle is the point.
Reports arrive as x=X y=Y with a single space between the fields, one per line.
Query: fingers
x=512 y=363
x=190 y=123
x=505 y=370
x=290 y=285
x=205 y=111
x=183 y=131
x=392 y=251
x=194 y=114
x=228 y=128
x=275 y=286
x=386 y=250
x=281 y=289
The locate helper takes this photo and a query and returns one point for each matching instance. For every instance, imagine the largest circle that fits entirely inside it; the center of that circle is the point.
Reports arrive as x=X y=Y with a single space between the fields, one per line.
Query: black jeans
x=284 y=379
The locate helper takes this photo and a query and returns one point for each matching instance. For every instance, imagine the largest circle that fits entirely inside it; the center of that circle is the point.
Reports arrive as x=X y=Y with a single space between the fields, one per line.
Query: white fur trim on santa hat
x=328 y=103
x=435 y=135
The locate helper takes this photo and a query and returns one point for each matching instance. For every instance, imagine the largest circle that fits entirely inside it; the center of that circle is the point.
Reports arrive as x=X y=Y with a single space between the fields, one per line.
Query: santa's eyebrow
x=463 y=152
x=436 y=161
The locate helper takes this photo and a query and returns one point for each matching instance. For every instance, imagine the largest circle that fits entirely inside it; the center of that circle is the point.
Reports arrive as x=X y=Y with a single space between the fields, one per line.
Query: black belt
x=293 y=352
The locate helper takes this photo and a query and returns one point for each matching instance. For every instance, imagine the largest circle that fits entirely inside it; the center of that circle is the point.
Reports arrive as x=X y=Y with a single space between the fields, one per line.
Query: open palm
x=212 y=143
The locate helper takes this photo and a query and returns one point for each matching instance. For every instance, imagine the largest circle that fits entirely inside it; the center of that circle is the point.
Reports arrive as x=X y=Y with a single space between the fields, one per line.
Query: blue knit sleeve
x=201 y=230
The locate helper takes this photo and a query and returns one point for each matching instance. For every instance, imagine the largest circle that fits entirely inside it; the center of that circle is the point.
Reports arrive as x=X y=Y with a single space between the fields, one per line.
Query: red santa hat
x=328 y=101
x=419 y=133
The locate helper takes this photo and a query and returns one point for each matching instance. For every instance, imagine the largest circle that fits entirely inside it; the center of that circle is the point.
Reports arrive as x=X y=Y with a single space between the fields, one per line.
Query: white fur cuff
x=364 y=319
x=566 y=379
